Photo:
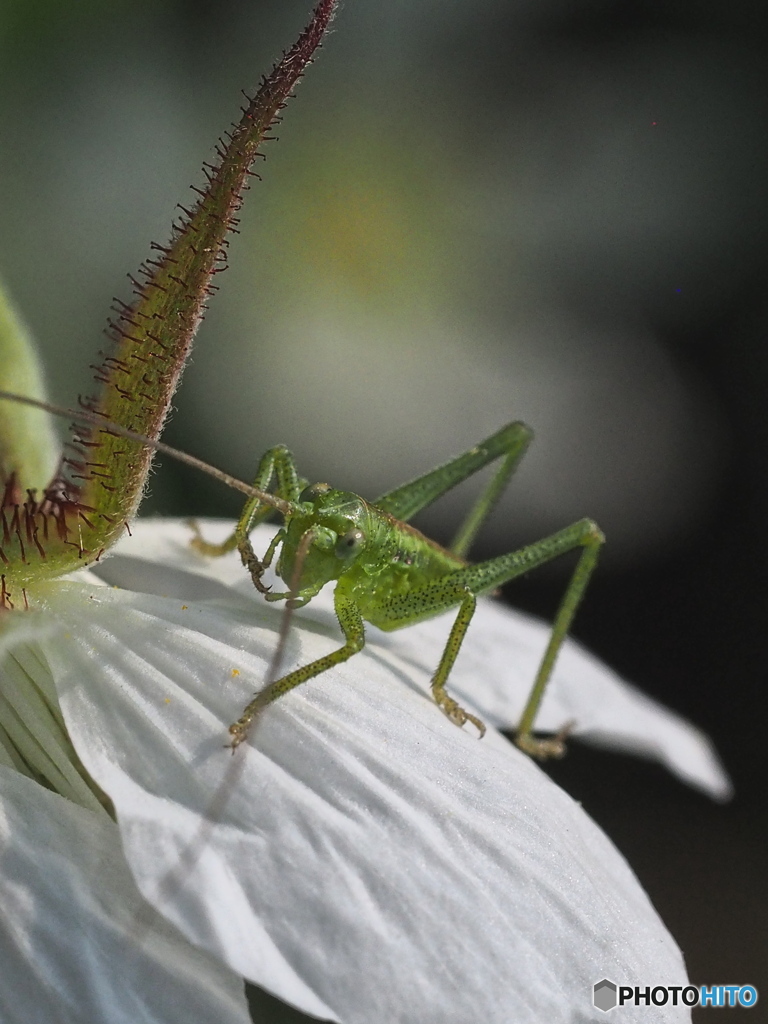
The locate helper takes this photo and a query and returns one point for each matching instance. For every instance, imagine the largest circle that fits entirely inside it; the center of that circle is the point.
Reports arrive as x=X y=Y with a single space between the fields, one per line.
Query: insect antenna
x=84 y=416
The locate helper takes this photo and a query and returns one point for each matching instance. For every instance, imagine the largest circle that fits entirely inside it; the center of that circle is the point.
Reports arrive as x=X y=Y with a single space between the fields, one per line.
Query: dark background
x=477 y=212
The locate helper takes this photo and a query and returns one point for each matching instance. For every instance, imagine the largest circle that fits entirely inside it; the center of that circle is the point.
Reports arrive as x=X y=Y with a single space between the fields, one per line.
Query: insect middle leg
x=352 y=627
x=461 y=586
x=447 y=704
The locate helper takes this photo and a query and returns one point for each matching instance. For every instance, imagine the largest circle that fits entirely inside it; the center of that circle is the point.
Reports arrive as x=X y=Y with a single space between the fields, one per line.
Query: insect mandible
x=387 y=572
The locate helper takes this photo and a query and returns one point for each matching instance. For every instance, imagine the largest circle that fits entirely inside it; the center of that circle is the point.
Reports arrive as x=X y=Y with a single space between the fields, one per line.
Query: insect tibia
x=545 y=748
x=204 y=547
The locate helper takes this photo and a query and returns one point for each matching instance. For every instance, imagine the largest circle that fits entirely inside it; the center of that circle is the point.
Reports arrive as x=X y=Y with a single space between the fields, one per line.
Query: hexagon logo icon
x=604 y=995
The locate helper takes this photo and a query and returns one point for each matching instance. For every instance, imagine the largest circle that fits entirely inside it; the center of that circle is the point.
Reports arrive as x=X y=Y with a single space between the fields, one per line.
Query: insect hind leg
x=509 y=444
x=586 y=535
x=590 y=538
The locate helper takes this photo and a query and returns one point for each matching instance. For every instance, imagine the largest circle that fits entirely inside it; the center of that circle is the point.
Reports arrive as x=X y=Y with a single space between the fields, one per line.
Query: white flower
x=360 y=857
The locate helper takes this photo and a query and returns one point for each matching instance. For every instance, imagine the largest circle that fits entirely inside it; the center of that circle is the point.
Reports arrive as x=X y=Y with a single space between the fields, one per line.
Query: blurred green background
x=475 y=213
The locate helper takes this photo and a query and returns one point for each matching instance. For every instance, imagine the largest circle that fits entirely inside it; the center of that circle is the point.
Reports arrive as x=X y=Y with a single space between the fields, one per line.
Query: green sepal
x=29 y=449
x=86 y=508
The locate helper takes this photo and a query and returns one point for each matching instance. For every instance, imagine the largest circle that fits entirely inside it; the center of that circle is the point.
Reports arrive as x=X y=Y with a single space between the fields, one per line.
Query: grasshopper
x=386 y=571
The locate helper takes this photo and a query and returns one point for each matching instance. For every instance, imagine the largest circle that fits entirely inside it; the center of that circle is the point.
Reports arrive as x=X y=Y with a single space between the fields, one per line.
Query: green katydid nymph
x=386 y=572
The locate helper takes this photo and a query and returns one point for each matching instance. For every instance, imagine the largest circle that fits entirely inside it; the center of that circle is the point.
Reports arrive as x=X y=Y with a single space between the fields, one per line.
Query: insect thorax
x=371 y=550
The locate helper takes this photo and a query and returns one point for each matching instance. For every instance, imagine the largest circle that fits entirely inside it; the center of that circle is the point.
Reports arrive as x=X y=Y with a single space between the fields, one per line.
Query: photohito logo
x=607 y=994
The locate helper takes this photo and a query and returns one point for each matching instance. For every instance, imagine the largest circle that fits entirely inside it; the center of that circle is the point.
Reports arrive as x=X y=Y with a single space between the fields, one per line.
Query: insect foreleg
x=510 y=443
x=207 y=547
x=277 y=463
x=351 y=623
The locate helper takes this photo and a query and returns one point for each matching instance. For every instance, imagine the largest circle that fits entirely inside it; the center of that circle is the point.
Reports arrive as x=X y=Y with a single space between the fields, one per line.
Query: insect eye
x=350 y=543
x=314 y=491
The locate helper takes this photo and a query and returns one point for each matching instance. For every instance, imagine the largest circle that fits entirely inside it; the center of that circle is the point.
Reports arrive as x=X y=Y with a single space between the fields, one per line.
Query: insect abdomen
x=403 y=562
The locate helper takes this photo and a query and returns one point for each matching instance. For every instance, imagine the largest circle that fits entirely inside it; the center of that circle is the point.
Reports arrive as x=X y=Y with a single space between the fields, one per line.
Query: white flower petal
x=33 y=737
x=493 y=673
x=363 y=858
x=77 y=941
x=605 y=710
